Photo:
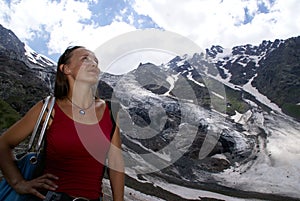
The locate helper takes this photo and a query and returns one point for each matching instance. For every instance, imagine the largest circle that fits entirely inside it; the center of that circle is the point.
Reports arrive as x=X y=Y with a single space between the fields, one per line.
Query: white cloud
x=63 y=21
x=206 y=22
x=88 y=35
x=212 y=22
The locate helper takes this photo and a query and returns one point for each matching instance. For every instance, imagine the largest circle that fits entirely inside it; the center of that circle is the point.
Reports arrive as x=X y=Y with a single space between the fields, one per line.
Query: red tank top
x=76 y=152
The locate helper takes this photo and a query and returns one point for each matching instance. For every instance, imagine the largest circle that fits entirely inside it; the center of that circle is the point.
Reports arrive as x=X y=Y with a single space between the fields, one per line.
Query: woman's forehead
x=83 y=51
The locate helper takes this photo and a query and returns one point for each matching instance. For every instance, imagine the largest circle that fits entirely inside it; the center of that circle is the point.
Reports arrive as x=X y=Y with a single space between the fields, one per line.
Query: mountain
x=272 y=68
x=25 y=77
x=207 y=121
x=221 y=124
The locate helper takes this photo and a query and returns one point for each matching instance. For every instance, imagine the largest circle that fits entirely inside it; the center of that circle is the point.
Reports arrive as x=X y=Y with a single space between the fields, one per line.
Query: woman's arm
x=116 y=167
x=10 y=139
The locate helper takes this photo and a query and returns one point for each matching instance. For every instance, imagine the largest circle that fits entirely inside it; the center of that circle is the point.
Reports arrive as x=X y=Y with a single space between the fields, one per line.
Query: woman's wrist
x=16 y=182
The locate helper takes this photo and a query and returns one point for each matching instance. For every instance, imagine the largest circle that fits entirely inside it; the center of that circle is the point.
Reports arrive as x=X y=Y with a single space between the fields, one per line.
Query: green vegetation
x=235 y=102
x=8 y=115
x=292 y=110
x=223 y=98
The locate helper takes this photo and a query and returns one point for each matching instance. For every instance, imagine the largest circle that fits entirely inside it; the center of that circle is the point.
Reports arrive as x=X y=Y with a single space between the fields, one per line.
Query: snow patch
x=261 y=98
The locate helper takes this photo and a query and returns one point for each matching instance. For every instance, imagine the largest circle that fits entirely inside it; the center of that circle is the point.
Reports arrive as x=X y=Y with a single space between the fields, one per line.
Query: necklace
x=81 y=110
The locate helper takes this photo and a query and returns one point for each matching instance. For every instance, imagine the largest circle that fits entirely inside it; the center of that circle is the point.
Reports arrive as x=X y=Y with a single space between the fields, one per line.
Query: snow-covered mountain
x=269 y=71
x=217 y=125
x=204 y=121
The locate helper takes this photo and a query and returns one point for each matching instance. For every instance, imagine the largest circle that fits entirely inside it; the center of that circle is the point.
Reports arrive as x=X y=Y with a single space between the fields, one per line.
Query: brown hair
x=61 y=87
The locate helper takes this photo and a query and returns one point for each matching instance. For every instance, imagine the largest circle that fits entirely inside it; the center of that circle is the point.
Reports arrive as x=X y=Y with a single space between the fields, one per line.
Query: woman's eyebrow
x=90 y=55
x=85 y=54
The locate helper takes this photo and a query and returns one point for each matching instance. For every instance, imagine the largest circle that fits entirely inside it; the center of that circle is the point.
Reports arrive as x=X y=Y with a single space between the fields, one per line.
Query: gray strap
x=41 y=137
x=38 y=122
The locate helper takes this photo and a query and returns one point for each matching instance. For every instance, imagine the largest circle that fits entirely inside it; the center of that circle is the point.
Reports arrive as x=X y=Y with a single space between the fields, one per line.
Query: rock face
x=156 y=116
x=25 y=77
x=271 y=67
x=279 y=76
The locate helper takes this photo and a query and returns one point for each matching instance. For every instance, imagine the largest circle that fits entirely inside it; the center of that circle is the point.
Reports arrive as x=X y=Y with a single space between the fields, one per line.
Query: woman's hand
x=44 y=182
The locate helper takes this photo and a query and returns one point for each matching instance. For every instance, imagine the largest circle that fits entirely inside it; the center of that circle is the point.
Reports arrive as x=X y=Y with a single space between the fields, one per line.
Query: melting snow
x=261 y=98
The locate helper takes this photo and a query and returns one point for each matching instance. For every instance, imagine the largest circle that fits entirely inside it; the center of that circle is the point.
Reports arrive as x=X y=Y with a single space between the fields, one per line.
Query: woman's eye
x=89 y=59
x=86 y=59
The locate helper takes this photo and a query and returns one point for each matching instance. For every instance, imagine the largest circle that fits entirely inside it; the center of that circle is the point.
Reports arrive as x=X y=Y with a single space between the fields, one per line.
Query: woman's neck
x=83 y=99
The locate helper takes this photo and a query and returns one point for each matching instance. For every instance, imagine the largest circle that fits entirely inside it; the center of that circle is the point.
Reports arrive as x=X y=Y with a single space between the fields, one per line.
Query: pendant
x=82 y=112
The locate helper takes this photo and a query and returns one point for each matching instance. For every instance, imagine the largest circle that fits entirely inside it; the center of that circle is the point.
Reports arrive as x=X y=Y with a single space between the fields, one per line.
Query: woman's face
x=83 y=66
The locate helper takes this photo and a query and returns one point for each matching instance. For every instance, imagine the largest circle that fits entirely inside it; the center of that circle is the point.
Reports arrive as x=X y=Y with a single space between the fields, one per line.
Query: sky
x=49 y=26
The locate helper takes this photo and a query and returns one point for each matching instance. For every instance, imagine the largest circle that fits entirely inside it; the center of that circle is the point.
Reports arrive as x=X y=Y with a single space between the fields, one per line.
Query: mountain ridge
x=273 y=68
x=236 y=65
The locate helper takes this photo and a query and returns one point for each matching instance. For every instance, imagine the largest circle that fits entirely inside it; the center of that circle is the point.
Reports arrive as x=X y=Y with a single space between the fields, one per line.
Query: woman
x=80 y=136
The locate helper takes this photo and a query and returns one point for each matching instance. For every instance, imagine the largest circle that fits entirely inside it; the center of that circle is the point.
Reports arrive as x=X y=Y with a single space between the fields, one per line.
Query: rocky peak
x=214 y=50
x=10 y=45
x=26 y=76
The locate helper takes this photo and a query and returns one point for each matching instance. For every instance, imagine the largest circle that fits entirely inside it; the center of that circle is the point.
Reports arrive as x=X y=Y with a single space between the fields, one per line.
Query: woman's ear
x=65 y=69
x=61 y=67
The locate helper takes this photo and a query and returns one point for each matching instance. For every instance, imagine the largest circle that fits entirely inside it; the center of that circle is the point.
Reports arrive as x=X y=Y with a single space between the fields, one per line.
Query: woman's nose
x=92 y=62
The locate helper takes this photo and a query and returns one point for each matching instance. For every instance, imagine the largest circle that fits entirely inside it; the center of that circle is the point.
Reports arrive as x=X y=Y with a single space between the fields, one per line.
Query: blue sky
x=48 y=27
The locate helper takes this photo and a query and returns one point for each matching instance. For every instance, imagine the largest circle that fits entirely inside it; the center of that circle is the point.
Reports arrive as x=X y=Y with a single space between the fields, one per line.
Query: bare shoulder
x=100 y=102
